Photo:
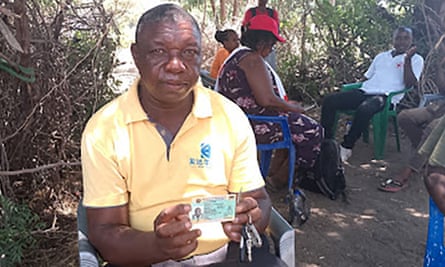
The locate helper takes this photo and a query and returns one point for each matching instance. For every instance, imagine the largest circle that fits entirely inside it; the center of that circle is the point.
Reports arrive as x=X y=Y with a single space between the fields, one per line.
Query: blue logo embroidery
x=205 y=151
x=203 y=160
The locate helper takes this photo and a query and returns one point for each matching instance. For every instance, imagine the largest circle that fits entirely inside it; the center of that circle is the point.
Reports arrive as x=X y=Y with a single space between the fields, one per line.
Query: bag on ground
x=327 y=176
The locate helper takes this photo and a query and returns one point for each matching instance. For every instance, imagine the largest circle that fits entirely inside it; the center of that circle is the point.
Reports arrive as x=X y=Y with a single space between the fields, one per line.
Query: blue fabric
x=434 y=251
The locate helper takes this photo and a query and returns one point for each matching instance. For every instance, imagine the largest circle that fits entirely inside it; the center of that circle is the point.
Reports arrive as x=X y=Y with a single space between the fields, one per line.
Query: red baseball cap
x=265 y=23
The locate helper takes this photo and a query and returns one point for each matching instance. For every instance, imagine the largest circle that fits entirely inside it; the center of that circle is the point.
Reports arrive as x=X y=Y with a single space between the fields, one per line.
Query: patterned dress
x=307 y=134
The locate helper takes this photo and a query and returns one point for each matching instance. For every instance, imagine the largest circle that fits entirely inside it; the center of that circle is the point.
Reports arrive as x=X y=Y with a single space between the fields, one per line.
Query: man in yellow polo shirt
x=166 y=141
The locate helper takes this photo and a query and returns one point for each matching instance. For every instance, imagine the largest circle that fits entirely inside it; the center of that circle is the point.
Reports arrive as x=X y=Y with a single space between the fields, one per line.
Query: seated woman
x=248 y=81
x=230 y=40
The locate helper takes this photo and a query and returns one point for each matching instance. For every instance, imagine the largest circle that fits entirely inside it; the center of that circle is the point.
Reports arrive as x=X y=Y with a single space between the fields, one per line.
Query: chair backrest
x=266 y=149
x=287 y=140
x=434 y=250
x=206 y=80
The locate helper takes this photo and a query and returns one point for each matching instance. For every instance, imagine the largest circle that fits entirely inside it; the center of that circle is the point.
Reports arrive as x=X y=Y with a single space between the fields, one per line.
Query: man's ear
x=135 y=54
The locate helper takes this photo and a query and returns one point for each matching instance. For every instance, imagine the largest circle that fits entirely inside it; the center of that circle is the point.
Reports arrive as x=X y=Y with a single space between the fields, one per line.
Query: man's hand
x=247 y=206
x=410 y=52
x=174 y=236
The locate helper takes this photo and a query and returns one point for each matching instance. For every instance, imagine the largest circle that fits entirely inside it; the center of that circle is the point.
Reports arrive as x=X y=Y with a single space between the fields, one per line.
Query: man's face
x=262 y=2
x=168 y=57
x=402 y=41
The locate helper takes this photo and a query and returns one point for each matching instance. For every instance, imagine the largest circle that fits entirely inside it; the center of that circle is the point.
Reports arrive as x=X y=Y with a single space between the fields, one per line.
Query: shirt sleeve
x=275 y=16
x=103 y=184
x=417 y=65
x=371 y=70
x=245 y=175
x=247 y=17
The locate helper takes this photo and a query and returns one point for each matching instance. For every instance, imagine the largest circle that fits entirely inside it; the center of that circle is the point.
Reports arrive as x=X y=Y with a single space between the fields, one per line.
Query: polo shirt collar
x=134 y=112
x=202 y=107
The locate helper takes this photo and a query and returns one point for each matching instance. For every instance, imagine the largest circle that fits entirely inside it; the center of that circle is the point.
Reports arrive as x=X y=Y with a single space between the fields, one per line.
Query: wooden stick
x=41 y=168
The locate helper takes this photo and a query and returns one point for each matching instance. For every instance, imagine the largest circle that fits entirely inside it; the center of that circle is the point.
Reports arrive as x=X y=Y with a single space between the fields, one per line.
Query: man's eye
x=190 y=53
x=157 y=52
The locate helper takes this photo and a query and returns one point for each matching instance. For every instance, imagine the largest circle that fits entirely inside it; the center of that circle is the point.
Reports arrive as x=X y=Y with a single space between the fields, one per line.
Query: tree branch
x=38 y=169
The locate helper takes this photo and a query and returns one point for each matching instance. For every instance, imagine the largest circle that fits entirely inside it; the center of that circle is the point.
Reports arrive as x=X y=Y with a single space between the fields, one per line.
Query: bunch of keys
x=249 y=238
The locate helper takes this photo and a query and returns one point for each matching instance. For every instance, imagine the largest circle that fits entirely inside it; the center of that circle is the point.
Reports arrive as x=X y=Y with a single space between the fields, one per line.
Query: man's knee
x=329 y=100
x=404 y=118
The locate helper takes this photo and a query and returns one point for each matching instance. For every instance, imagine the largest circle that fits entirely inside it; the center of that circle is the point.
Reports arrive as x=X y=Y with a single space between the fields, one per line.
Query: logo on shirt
x=204 y=158
x=399 y=65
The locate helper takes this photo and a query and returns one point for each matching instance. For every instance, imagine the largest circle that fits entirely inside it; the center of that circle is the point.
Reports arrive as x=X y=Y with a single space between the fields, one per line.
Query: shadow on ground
x=375 y=228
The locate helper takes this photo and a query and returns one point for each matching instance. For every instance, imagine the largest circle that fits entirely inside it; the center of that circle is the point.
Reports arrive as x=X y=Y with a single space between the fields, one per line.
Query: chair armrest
x=351 y=86
x=426 y=98
x=390 y=96
x=283 y=236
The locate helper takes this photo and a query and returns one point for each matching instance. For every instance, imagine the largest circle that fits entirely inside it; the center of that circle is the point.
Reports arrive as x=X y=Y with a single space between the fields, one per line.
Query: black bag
x=327 y=176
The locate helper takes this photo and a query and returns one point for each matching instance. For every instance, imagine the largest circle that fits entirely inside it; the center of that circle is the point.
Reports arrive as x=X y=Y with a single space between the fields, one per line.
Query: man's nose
x=175 y=63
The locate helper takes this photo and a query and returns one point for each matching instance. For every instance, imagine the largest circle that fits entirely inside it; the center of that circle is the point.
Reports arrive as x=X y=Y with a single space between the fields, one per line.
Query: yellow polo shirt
x=125 y=160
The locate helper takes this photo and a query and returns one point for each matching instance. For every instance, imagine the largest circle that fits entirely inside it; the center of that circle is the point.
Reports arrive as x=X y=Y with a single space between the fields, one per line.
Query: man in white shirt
x=390 y=71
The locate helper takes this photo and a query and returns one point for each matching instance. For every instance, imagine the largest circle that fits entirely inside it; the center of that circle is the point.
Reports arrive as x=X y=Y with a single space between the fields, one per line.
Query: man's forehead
x=403 y=33
x=161 y=26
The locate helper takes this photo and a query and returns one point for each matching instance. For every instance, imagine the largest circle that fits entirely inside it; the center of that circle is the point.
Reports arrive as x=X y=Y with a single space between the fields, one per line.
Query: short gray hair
x=165 y=13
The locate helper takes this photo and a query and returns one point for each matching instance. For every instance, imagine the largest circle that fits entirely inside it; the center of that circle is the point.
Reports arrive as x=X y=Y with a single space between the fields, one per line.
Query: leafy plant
x=17 y=222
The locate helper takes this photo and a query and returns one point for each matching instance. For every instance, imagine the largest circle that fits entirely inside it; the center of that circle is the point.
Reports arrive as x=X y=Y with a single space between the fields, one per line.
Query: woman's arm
x=261 y=85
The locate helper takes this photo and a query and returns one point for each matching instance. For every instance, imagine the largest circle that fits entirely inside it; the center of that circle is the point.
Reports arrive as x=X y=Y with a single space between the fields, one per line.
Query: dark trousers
x=365 y=107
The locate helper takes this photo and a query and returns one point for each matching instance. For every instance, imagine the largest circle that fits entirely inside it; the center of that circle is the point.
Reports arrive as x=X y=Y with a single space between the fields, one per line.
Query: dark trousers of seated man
x=260 y=257
x=364 y=105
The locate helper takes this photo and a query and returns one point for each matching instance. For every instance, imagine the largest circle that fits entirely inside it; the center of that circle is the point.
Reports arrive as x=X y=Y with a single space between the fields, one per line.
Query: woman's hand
x=296 y=107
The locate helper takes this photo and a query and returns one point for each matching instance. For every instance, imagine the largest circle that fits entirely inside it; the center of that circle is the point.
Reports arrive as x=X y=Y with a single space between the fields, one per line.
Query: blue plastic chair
x=298 y=210
x=427 y=98
x=435 y=250
x=266 y=149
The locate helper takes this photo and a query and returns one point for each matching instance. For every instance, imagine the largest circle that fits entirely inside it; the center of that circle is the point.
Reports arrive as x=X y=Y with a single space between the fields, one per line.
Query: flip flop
x=390 y=185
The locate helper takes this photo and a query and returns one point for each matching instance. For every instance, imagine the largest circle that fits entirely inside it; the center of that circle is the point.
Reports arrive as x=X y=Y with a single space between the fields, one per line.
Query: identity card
x=213 y=208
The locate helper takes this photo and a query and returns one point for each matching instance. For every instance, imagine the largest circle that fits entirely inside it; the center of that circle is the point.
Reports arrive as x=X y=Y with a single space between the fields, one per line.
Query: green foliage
x=17 y=222
x=331 y=44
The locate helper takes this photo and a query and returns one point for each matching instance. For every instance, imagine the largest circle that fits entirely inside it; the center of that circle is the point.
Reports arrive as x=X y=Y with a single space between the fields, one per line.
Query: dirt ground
x=375 y=228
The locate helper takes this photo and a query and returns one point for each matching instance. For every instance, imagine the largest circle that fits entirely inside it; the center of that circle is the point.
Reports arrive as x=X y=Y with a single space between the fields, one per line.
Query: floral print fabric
x=307 y=134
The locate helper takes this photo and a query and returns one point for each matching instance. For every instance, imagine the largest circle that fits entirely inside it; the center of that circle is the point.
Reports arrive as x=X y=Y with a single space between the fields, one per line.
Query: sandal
x=390 y=185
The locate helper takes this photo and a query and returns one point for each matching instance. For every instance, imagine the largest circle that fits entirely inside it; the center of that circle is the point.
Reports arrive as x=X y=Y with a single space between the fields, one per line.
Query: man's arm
x=409 y=79
x=110 y=233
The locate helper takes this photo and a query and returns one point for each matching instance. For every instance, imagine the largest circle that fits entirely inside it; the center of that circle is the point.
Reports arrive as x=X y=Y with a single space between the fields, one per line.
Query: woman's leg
x=307 y=135
x=279 y=168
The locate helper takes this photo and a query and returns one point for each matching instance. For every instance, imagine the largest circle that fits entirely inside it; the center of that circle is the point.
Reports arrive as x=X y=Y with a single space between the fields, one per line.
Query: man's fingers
x=246 y=204
x=172 y=212
x=173 y=228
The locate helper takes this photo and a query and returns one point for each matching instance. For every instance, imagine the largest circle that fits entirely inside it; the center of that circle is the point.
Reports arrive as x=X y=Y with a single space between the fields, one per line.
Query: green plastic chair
x=379 y=121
